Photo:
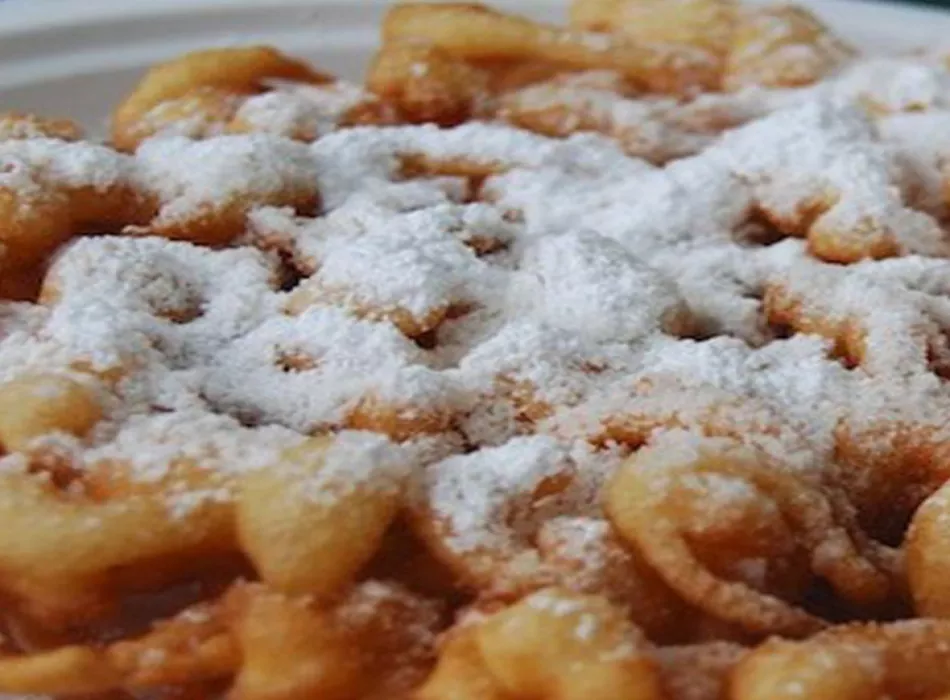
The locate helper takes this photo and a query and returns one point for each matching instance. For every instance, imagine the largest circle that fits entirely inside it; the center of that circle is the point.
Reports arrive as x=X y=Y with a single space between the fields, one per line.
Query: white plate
x=78 y=57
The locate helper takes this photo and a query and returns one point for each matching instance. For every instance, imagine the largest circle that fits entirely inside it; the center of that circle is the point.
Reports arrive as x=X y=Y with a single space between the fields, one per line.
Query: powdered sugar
x=896 y=84
x=647 y=210
x=559 y=367
x=794 y=376
x=411 y=263
x=653 y=128
x=899 y=305
x=304 y=112
x=921 y=141
x=306 y=371
x=499 y=147
x=148 y=295
x=536 y=293
x=63 y=165
x=152 y=445
x=489 y=500
x=357 y=462
x=592 y=286
x=822 y=157
x=189 y=176
x=566 y=107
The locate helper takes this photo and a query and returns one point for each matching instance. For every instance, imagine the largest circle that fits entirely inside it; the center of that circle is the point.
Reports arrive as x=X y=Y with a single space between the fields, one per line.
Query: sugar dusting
x=578 y=295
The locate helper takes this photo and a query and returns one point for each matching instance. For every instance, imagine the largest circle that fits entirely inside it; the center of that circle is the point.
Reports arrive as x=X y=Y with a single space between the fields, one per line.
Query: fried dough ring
x=698 y=671
x=274 y=646
x=32 y=231
x=586 y=556
x=553 y=644
x=79 y=547
x=566 y=105
x=928 y=556
x=191 y=647
x=84 y=545
x=344 y=521
x=426 y=84
x=662 y=403
x=707 y=25
x=630 y=419
x=888 y=469
x=641 y=502
x=838 y=303
x=856 y=662
x=375 y=643
x=305 y=365
x=750 y=46
x=177 y=171
x=476 y=33
x=760 y=49
x=208 y=79
x=502 y=561
x=399 y=423
x=48 y=202
x=312 y=292
x=844 y=219
x=32 y=406
x=787 y=311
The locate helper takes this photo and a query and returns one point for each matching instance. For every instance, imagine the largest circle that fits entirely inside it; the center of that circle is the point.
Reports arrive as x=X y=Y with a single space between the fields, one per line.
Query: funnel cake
x=568 y=363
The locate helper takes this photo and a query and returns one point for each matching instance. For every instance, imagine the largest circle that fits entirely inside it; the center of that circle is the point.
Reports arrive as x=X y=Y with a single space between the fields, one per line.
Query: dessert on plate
x=598 y=362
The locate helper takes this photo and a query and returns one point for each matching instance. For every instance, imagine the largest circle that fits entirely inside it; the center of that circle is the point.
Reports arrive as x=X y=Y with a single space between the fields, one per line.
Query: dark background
x=934 y=3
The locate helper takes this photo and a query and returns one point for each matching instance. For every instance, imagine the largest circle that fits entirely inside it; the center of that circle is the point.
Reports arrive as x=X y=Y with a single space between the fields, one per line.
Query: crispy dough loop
x=888 y=469
x=706 y=25
x=928 y=555
x=698 y=671
x=200 y=85
x=553 y=644
x=598 y=103
x=777 y=46
x=315 y=538
x=730 y=522
x=476 y=33
x=782 y=46
x=377 y=641
x=69 y=670
x=97 y=530
x=856 y=662
x=45 y=200
x=313 y=292
x=194 y=646
x=645 y=501
x=585 y=555
x=493 y=552
x=427 y=84
x=32 y=406
x=841 y=304
x=79 y=546
x=32 y=231
x=177 y=173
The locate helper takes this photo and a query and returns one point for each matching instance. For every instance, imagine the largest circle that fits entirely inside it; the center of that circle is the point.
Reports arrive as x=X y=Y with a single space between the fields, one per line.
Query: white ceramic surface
x=77 y=57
